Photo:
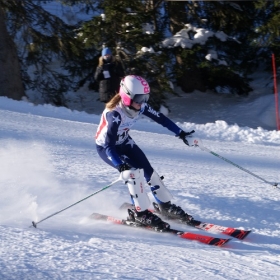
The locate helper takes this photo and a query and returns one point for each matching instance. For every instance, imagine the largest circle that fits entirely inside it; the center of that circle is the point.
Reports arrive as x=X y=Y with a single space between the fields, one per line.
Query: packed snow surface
x=48 y=162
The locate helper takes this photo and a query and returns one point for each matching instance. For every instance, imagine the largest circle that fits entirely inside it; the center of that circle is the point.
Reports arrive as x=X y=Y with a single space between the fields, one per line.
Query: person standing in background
x=108 y=74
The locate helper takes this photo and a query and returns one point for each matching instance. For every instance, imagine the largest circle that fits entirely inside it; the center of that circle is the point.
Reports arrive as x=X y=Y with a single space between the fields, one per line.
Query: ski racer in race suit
x=116 y=147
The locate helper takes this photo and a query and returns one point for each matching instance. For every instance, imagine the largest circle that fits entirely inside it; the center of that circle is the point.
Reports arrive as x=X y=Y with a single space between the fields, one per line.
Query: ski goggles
x=141 y=98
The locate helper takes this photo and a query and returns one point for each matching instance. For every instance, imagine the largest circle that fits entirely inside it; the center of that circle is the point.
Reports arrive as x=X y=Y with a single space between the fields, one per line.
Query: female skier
x=116 y=147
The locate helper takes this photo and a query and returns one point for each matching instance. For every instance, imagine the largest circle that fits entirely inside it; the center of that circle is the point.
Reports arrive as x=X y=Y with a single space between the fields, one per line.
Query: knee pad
x=159 y=190
x=135 y=182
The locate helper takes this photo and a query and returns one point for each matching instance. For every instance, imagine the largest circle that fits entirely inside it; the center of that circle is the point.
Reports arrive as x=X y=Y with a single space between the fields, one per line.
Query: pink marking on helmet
x=147 y=89
x=125 y=98
x=144 y=83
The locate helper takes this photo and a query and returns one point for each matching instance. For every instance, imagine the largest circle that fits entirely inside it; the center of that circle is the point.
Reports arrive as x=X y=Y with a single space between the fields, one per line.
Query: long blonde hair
x=113 y=102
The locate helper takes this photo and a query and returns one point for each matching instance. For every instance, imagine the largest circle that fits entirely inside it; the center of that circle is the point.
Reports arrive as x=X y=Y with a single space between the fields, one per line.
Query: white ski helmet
x=134 y=88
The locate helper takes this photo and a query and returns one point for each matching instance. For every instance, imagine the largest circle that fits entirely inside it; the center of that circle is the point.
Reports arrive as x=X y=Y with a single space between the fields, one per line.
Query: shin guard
x=135 y=182
x=159 y=190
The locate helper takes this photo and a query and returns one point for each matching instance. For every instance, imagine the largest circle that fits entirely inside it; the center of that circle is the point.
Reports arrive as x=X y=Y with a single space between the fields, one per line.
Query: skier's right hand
x=183 y=134
x=122 y=167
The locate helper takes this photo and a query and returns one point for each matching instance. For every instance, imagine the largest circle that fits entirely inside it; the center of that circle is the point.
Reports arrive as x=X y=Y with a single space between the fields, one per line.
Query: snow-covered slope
x=48 y=161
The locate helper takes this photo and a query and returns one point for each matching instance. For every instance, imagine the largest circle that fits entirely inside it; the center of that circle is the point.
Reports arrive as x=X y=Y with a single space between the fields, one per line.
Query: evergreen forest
x=52 y=53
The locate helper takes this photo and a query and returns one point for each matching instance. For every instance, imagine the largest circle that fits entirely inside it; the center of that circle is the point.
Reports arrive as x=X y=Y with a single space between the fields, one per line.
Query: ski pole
x=34 y=224
x=198 y=142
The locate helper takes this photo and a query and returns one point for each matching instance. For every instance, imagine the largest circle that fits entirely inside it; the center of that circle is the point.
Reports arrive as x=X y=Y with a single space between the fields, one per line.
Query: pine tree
x=267 y=39
x=41 y=39
x=227 y=70
x=10 y=73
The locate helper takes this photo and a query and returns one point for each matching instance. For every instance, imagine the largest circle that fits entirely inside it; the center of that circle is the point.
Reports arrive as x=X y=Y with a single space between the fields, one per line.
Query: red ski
x=233 y=232
x=215 y=241
x=213 y=228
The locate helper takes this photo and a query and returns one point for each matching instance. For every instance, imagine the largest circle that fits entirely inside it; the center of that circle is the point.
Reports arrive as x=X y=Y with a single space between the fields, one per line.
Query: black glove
x=122 y=167
x=183 y=134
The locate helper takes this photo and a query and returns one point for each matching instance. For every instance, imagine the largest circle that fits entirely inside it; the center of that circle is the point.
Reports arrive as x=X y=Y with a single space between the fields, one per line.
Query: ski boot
x=171 y=211
x=147 y=219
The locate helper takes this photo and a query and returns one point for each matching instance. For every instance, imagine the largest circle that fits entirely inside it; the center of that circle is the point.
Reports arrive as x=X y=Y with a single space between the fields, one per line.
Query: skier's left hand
x=183 y=134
